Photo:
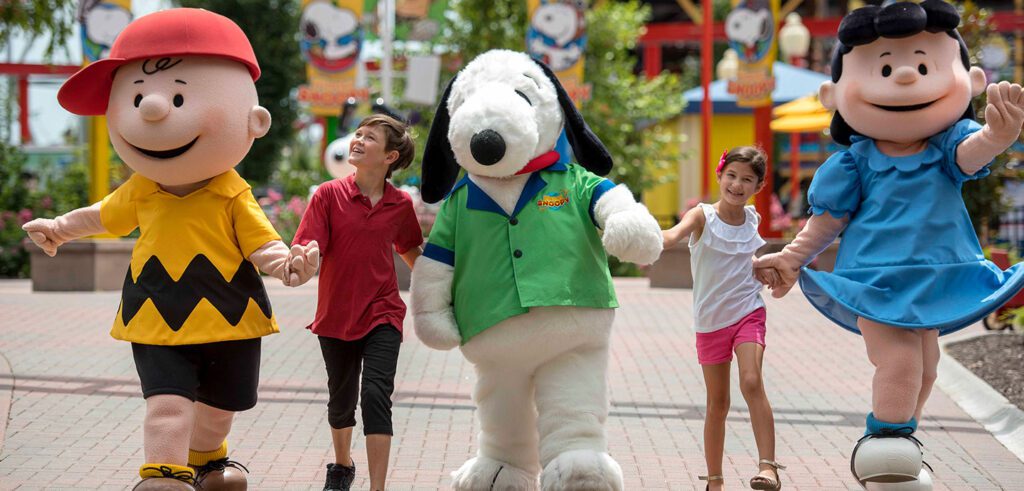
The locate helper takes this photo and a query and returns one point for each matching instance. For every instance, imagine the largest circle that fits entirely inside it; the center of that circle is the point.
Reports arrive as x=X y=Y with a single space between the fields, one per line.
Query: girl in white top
x=729 y=314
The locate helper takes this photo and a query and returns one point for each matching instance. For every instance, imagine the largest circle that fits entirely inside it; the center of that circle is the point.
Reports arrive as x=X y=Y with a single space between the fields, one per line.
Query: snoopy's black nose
x=487 y=147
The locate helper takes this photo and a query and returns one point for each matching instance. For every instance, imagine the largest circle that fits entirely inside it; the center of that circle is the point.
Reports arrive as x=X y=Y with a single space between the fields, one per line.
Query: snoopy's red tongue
x=542 y=161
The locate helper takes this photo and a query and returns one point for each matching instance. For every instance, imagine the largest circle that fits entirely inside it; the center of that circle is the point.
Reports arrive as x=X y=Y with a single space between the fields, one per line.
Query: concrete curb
x=6 y=396
x=978 y=399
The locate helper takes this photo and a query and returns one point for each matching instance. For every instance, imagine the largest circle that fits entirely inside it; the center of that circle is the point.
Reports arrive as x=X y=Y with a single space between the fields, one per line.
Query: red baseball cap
x=173 y=32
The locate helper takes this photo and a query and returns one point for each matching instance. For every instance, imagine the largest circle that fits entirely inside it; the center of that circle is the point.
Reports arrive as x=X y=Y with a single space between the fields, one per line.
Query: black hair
x=898 y=20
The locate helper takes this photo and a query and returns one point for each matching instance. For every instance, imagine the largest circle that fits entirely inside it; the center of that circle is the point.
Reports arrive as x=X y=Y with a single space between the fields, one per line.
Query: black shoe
x=339 y=477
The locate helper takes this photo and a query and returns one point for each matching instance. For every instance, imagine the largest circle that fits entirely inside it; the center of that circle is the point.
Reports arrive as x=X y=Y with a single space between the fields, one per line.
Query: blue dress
x=909 y=256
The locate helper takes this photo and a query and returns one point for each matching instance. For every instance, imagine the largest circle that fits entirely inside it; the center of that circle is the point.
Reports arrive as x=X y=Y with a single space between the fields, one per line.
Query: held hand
x=1004 y=113
x=768 y=276
x=302 y=263
x=786 y=271
x=43 y=231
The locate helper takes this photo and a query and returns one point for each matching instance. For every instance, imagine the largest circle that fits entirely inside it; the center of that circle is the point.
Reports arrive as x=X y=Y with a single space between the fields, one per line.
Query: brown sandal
x=709 y=479
x=767 y=483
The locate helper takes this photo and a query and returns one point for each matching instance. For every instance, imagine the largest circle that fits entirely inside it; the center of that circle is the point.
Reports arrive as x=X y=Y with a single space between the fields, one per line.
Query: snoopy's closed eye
x=521 y=94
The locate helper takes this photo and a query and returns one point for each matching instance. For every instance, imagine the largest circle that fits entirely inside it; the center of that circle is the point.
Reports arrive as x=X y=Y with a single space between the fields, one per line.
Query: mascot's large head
x=179 y=94
x=900 y=73
x=501 y=116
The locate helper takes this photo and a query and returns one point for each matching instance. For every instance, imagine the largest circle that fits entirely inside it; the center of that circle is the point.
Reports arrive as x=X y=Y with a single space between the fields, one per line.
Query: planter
x=81 y=265
x=672 y=269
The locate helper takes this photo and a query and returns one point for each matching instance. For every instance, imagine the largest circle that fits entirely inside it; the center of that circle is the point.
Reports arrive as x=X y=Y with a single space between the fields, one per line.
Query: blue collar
x=477 y=199
x=880 y=162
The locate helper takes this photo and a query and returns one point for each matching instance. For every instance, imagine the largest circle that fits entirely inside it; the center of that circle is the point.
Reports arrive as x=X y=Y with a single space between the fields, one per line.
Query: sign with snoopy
x=330 y=38
x=102 y=21
x=751 y=29
x=557 y=36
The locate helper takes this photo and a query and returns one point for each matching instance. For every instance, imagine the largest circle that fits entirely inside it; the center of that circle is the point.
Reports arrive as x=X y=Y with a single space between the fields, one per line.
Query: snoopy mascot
x=515 y=272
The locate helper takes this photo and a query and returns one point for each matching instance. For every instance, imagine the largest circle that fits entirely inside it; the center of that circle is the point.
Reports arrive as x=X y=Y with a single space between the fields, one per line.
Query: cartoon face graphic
x=100 y=26
x=182 y=120
x=556 y=35
x=904 y=90
x=330 y=36
x=750 y=32
x=336 y=157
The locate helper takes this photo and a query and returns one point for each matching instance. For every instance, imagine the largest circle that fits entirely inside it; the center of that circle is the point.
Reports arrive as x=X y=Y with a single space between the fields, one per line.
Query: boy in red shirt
x=357 y=221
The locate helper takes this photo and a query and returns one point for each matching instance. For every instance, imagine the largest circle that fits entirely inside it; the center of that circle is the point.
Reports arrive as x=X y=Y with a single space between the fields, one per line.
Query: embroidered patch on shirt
x=554 y=201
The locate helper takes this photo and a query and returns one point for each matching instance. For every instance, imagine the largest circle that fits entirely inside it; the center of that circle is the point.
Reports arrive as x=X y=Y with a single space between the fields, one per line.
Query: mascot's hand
x=633 y=235
x=779 y=271
x=43 y=231
x=1004 y=114
x=302 y=263
x=432 y=313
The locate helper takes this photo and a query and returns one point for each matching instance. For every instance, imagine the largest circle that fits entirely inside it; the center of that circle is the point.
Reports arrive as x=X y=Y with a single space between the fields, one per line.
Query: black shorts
x=376 y=356
x=223 y=375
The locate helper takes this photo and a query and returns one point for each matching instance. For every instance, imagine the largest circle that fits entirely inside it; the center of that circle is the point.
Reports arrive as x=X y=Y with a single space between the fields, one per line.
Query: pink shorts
x=717 y=347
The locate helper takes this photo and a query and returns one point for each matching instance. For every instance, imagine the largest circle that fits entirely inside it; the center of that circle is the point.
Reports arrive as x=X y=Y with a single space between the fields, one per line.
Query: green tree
x=272 y=27
x=35 y=18
x=626 y=107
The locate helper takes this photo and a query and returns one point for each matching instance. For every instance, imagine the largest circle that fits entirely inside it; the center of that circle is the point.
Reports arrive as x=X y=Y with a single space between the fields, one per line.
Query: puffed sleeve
x=836 y=186
x=948 y=140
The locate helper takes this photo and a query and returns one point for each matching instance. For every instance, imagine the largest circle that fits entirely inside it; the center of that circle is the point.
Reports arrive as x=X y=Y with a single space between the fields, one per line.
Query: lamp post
x=794 y=42
x=728 y=66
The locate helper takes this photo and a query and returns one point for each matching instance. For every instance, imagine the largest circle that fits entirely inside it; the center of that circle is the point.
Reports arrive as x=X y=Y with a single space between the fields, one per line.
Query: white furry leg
x=508 y=436
x=572 y=406
x=582 y=470
x=484 y=474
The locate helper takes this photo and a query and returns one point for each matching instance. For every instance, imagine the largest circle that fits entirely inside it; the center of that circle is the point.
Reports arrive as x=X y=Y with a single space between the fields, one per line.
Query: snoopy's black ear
x=439 y=169
x=589 y=151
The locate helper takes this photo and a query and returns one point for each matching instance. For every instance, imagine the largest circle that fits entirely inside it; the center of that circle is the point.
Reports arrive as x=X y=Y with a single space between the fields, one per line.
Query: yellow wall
x=727 y=131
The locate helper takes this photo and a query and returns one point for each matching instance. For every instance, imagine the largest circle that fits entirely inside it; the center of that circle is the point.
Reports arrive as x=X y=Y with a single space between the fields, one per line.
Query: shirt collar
x=228 y=184
x=391 y=194
x=477 y=199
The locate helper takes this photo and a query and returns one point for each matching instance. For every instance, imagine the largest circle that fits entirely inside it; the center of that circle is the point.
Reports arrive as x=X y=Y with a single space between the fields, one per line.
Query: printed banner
x=101 y=21
x=557 y=35
x=751 y=29
x=331 y=39
x=415 y=20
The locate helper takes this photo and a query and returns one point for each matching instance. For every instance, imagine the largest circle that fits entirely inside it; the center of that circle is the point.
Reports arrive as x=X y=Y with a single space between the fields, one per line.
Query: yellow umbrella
x=803 y=105
x=802 y=123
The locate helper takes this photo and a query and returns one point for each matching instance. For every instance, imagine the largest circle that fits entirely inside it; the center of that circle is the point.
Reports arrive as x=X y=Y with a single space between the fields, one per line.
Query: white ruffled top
x=721 y=260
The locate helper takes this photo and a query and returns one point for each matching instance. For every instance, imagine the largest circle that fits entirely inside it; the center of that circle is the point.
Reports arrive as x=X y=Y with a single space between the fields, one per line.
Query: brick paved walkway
x=76 y=408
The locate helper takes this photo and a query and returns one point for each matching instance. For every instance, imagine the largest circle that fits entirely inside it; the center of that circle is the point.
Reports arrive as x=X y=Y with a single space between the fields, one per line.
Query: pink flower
x=46 y=202
x=296 y=205
x=274 y=195
x=25 y=216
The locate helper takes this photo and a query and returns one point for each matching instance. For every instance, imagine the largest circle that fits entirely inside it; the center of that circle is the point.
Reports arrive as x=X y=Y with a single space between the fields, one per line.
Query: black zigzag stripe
x=175 y=300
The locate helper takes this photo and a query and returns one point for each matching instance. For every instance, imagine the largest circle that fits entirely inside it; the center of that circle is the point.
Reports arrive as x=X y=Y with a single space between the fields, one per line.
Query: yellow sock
x=166 y=470
x=197 y=458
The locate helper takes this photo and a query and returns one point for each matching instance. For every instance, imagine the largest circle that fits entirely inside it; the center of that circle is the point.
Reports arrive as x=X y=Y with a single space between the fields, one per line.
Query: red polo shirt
x=358 y=287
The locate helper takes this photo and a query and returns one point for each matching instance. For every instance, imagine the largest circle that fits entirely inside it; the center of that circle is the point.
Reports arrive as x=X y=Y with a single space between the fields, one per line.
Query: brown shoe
x=221 y=475
x=165 y=477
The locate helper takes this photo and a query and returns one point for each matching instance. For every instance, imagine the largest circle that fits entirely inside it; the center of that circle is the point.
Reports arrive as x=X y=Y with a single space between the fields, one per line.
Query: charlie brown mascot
x=179 y=95
x=909 y=267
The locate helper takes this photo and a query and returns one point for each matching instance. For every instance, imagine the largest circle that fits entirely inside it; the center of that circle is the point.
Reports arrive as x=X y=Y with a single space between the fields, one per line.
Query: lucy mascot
x=179 y=95
x=909 y=267
x=516 y=272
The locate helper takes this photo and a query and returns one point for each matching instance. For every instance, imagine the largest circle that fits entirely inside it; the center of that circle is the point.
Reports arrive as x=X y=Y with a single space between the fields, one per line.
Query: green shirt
x=547 y=253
